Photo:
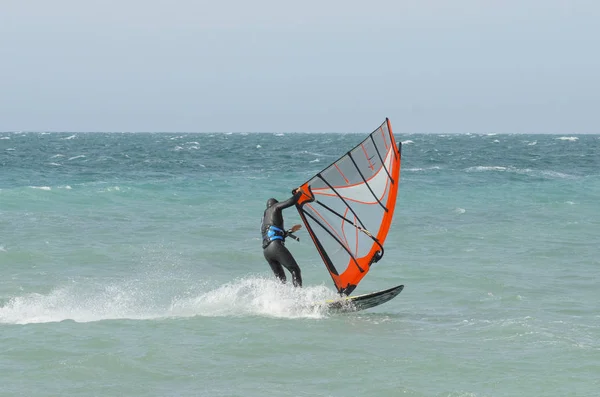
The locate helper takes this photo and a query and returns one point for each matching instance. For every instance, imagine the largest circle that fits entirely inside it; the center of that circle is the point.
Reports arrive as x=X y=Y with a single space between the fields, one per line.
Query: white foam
x=417 y=169
x=522 y=171
x=41 y=187
x=532 y=143
x=555 y=174
x=314 y=161
x=568 y=138
x=70 y=137
x=487 y=168
x=407 y=142
x=57 y=155
x=81 y=156
x=5 y=137
x=255 y=296
x=143 y=300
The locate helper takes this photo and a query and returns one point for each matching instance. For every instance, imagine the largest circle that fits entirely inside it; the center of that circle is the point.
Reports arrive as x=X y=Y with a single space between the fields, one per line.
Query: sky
x=431 y=66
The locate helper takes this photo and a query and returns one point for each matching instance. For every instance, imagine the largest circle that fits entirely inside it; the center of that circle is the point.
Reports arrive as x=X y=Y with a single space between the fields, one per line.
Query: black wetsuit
x=274 y=234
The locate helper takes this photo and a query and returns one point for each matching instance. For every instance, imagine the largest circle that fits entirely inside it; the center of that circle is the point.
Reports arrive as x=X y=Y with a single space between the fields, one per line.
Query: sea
x=131 y=265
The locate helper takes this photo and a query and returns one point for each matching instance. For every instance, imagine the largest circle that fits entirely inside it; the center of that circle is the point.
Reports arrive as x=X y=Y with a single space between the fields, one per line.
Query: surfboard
x=361 y=302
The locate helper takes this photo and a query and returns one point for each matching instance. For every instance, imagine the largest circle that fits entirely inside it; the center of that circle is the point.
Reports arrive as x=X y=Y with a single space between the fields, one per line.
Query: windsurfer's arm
x=291 y=201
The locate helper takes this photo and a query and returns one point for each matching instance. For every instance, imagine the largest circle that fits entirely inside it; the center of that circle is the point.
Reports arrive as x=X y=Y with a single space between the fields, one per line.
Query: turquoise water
x=131 y=266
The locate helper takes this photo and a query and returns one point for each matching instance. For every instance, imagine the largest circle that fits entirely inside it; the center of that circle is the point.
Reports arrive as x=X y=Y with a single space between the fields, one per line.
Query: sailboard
x=360 y=302
x=348 y=208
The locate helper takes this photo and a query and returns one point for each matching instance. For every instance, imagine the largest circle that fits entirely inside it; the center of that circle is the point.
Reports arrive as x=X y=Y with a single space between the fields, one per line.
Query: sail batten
x=347 y=208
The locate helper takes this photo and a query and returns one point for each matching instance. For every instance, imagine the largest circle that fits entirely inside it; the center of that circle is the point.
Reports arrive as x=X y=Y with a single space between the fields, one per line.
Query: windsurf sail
x=347 y=208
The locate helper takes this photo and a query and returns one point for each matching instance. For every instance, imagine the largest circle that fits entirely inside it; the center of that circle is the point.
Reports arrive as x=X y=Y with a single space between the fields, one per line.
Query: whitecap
x=417 y=169
x=41 y=187
x=77 y=157
x=568 y=138
x=55 y=164
x=460 y=210
x=556 y=174
x=57 y=155
x=407 y=142
x=69 y=137
x=314 y=161
x=481 y=168
x=5 y=137
x=258 y=146
x=532 y=143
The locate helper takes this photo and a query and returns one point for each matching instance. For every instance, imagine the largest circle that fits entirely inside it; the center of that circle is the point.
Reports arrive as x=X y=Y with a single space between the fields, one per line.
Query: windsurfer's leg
x=287 y=260
x=278 y=270
x=275 y=265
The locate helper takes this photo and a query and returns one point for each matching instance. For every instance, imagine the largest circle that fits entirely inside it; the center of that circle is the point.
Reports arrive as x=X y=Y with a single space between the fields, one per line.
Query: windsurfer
x=274 y=234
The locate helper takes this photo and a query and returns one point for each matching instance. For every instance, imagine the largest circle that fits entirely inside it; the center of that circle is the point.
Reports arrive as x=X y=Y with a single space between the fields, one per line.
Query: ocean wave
x=81 y=156
x=111 y=189
x=568 y=138
x=481 y=168
x=523 y=171
x=41 y=187
x=69 y=137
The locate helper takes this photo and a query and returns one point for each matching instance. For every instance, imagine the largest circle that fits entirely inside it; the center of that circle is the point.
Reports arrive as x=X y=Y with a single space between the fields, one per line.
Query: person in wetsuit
x=274 y=234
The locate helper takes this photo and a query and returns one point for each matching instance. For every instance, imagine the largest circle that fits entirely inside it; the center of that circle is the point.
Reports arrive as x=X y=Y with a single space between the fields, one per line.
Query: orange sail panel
x=348 y=207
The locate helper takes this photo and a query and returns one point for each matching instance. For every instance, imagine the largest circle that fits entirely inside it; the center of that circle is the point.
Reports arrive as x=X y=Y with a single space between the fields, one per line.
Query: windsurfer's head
x=271 y=201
